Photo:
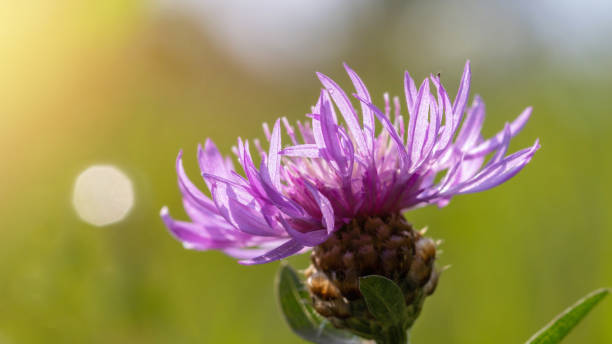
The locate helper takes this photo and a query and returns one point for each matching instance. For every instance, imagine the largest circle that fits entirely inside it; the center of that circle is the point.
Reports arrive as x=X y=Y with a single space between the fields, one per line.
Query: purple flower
x=340 y=169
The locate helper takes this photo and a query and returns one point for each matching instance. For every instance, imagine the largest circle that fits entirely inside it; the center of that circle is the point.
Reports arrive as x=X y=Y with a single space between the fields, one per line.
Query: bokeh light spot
x=103 y=195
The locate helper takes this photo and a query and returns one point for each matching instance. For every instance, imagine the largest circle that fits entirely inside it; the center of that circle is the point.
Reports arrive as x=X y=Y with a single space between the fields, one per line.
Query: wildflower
x=302 y=194
x=341 y=187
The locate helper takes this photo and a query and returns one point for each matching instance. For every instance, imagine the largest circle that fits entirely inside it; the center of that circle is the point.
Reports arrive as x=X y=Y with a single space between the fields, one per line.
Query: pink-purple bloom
x=343 y=164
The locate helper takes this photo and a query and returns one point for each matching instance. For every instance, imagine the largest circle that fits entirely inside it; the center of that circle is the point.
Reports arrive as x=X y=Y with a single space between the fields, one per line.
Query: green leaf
x=384 y=299
x=301 y=317
x=560 y=326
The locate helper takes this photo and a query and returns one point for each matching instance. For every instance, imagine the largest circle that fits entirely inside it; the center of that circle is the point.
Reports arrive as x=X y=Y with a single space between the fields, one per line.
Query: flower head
x=345 y=164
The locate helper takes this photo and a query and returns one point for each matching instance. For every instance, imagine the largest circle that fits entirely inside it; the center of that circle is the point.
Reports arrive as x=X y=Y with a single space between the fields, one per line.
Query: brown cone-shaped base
x=386 y=246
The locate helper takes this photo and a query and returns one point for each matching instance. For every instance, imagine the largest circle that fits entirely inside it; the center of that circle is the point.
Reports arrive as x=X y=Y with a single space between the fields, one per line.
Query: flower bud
x=386 y=246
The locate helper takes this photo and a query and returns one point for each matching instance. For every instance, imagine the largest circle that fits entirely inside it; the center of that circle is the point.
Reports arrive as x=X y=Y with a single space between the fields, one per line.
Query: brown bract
x=386 y=246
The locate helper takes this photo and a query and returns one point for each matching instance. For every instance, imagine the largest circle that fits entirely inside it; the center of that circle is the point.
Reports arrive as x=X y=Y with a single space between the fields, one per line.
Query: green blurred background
x=129 y=83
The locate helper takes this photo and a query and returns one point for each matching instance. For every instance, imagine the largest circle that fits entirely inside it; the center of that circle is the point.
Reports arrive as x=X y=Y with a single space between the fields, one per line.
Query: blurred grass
x=109 y=82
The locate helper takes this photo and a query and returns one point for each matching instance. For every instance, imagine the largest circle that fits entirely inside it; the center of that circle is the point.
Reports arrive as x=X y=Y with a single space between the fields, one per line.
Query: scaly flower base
x=385 y=246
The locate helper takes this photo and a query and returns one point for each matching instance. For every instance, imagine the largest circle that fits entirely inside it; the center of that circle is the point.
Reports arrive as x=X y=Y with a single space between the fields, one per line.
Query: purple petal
x=250 y=171
x=329 y=132
x=398 y=124
x=469 y=168
x=346 y=109
x=248 y=253
x=211 y=161
x=419 y=124
x=290 y=131
x=390 y=129
x=325 y=206
x=285 y=250
x=209 y=219
x=219 y=194
x=266 y=129
x=492 y=144
x=222 y=193
x=368 y=116
x=189 y=190
x=195 y=236
x=434 y=126
x=410 y=91
x=348 y=152
x=279 y=200
x=464 y=90
x=249 y=220
x=273 y=157
x=503 y=148
x=497 y=173
x=387 y=105
x=451 y=175
x=449 y=125
x=470 y=132
x=304 y=151
x=311 y=238
x=260 y=150
x=232 y=183
x=306 y=132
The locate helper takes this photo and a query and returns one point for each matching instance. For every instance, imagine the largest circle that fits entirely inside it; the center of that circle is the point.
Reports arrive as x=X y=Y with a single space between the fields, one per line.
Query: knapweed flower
x=341 y=184
x=335 y=171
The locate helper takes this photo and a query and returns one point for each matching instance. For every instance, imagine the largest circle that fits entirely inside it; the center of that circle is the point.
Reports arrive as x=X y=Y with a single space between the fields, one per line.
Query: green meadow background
x=129 y=83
